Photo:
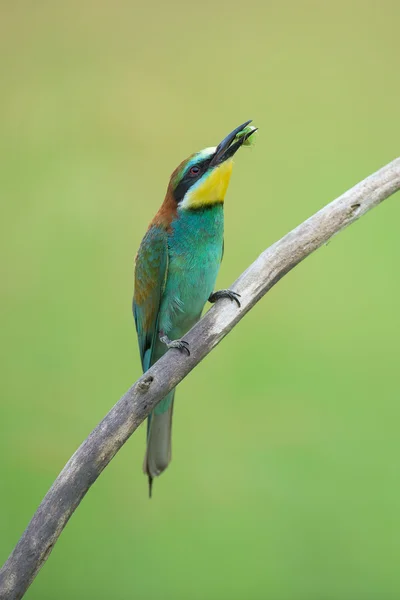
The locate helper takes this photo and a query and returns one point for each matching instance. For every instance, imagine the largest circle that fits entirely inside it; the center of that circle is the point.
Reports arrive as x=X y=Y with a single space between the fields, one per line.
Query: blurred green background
x=285 y=479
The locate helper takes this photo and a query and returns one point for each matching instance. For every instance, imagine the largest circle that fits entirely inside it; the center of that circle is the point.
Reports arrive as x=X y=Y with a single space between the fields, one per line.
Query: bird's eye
x=194 y=171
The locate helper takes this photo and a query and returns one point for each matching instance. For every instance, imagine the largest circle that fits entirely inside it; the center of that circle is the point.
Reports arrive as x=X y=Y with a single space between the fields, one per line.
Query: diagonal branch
x=123 y=419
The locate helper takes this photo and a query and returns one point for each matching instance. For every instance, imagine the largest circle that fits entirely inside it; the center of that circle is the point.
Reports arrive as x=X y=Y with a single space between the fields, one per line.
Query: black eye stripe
x=190 y=179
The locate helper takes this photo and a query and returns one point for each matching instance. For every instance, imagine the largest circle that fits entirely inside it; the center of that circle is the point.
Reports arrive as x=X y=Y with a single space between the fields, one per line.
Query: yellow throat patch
x=211 y=189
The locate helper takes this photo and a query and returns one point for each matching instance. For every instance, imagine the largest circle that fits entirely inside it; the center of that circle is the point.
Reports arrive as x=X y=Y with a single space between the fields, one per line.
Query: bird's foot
x=179 y=344
x=225 y=294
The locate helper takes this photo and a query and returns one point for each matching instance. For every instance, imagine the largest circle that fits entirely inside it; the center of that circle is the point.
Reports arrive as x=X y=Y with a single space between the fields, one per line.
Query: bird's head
x=202 y=180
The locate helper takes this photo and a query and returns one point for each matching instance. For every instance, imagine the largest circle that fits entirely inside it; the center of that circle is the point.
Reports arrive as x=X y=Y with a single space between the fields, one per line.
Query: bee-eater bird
x=176 y=269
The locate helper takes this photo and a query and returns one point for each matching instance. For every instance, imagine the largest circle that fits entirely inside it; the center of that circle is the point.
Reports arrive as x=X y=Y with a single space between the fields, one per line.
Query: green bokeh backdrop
x=285 y=480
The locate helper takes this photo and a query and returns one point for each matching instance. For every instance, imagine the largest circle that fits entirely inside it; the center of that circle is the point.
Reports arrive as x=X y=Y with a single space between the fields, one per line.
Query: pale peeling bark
x=123 y=419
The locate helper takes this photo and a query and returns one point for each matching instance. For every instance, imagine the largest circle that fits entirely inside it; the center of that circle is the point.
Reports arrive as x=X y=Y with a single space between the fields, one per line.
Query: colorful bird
x=176 y=269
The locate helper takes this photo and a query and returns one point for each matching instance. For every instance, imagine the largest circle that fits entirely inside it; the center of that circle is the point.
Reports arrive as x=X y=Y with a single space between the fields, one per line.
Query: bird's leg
x=225 y=294
x=179 y=344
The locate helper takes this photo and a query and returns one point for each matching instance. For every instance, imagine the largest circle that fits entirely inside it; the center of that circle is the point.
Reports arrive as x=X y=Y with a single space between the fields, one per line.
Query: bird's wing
x=150 y=277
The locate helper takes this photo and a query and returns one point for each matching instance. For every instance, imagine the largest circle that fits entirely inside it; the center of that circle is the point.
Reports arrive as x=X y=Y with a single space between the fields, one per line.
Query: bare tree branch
x=123 y=419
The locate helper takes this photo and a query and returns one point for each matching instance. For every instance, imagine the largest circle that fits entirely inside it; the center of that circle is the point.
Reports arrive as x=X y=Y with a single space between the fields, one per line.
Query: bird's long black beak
x=229 y=146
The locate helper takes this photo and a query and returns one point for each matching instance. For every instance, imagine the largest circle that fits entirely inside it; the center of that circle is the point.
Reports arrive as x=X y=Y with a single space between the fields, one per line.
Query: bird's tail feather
x=159 y=427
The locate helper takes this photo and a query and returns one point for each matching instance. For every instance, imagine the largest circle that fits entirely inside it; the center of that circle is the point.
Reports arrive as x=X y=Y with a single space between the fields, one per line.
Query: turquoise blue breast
x=195 y=253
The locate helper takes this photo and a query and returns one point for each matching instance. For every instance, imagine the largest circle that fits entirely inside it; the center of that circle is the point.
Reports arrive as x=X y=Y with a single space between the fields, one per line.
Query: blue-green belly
x=195 y=253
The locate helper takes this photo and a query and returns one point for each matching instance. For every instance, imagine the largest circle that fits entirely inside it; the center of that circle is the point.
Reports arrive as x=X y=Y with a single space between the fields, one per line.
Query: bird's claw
x=230 y=294
x=178 y=344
